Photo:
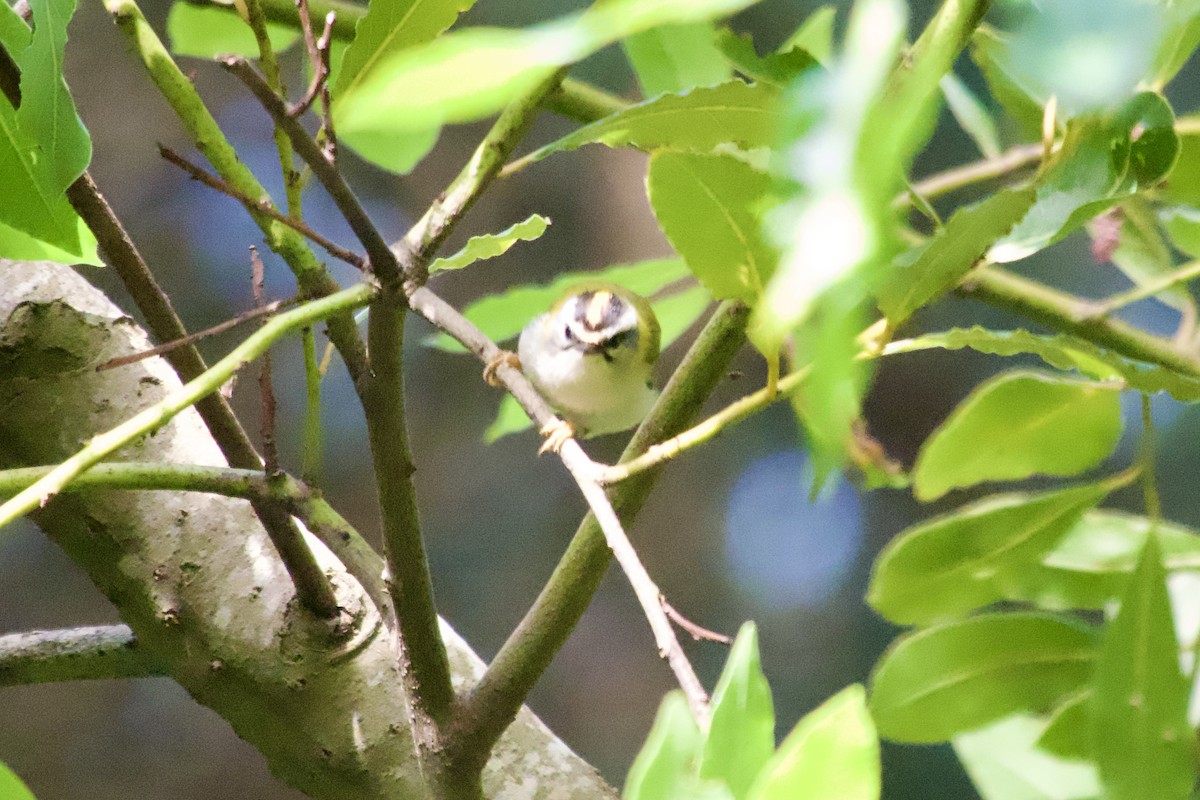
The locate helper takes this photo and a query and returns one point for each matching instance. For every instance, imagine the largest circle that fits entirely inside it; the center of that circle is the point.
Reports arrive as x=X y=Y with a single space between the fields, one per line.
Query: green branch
x=162 y=412
x=74 y=654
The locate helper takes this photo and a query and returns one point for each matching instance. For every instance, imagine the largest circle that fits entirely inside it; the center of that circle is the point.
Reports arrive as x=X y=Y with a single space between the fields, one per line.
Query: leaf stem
x=1147 y=460
x=1187 y=272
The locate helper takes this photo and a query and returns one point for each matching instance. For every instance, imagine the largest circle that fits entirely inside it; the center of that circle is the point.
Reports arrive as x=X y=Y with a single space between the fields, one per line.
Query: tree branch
x=74 y=654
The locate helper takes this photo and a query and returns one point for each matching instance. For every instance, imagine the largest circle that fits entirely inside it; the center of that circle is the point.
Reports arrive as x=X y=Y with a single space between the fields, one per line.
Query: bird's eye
x=569 y=334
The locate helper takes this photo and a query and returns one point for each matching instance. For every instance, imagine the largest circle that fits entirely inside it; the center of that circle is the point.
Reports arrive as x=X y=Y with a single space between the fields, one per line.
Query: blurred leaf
x=1181 y=35
x=831 y=754
x=469 y=74
x=502 y=316
x=208 y=31
x=1058 y=350
x=11 y=786
x=778 y=68
x=971 y=114
x=20 y=246
x=936 y=267
x=706 y=204
x=1090 y=54
x=935 y=683
x=14 y=33
x=1005 y=764
x=1023 y=102
x=1142 y=253
x=389 y=27
x=1182 y=225
x=1069 y=732
x=1183 y=187
x=741 y=737
x=675 y=58
x=1034 y=423
x=953 y=564
x=1155 y=145
x=698 y=121
x=510 y=418
x=1090 y=564
x=1140 y=704
x=47 y=112
x=491 y=245
x=665 y=769
x=815 y=35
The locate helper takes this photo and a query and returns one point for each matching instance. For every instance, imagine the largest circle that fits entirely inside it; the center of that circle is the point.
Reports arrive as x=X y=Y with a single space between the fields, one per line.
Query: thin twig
x=1187 y=272
x=1148 y=462
x=292 y=185
x=697 y=632
x=221 y=327
x=264 y=206
x=162 y=412
x=382 y=259
x=943 y=183
x=265 y=390
x=318 y=56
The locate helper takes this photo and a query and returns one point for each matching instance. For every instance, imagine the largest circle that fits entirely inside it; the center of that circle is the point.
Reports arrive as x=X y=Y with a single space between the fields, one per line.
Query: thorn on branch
x=697 y=632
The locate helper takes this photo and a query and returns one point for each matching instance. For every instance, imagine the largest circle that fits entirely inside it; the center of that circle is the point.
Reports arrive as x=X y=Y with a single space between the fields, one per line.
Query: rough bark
x=196 y=578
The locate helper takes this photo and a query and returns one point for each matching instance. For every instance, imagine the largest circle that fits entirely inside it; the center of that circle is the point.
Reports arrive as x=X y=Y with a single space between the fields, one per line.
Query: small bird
x=591 y=356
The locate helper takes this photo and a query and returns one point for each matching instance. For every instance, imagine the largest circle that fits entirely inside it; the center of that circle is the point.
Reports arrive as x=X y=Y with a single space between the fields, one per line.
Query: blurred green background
x=729 y=533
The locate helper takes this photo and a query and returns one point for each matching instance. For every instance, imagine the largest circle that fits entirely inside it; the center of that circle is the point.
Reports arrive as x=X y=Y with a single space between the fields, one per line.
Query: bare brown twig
x=266 y=391
x=318 y=56
x=262 y=205
x=697 y=632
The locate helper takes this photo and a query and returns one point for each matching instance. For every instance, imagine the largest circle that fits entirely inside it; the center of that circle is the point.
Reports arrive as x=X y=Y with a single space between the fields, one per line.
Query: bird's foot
x=556 y=431
x=495 y=362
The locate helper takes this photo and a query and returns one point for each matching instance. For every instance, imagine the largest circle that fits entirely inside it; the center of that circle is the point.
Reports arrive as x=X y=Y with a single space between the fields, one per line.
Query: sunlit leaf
x=675 y=58
x=706 y=206
x=938 y=682
x=209 y=31
x=1005 y=763
x=665 y=768
x=971 y=114
x=491 y=245
x=1143 y=738
x=777 y=68
x=14 y=32
x=19 y=246
x=815 y=34
x=743 y=114
x=741 y=736
x=953 y=564
x=1033 y=423
x=470 y=74
x=11 y=786
x=1058 y=350
x=831 y=754
x=934 y=268
x=1181 y=35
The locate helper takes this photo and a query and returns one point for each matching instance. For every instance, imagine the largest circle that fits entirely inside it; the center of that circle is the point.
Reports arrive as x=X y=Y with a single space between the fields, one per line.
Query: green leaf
x=706 y=206
x=742 y=735
x=47 y=112
x=1061 y=351
x=1070 y=731
x=815 y=35
x=1022 y=101
x=1090 y=55
x=971 y=114
x=502 y=316
x=831 y=754
x=1090 y=564
x=510 y=418
x=1143 y=736
x=31 y=202
x=1142 y=253
x=675 y=58
x=11 y=786
x=1005 y=763
x=14 y=33
x=469 y=74
x=1180 y=37
x=208 y=31
x=20 y=246
x=1184 y=187
x=1034 y=423
x=779 y=68
x=1155 y=145
x=699 y=120
x=937 y=266
x=665 y=769
x=953 y=564
x=938 y=682
x=390 y=27
x=491 y=245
